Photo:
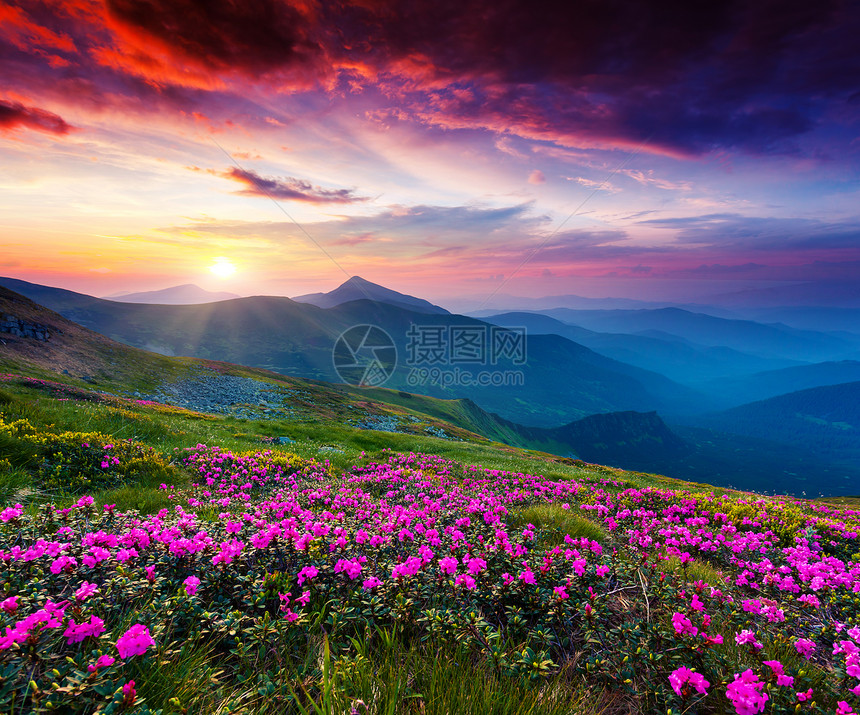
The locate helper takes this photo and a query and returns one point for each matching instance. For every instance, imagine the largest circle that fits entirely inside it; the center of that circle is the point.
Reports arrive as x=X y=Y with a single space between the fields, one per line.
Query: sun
x=222 y=267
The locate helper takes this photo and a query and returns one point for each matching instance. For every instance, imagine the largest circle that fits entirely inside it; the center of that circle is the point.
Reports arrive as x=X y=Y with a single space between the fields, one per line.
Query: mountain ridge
x=637 y=440
x=357 y=288
x=185 y=294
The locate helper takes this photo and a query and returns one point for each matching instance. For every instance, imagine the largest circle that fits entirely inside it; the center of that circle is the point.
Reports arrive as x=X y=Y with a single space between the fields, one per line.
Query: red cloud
x=15 y=114
x=197 y=43
x=674 y=77
x=23 y=32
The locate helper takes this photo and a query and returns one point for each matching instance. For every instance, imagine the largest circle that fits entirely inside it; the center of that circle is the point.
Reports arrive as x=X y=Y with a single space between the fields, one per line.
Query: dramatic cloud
x=290 y=189
x=15 y=114
x=196 y=42
x=675 y=77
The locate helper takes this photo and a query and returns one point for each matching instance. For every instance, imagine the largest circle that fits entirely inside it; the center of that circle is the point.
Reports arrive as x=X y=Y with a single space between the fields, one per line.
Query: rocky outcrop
x=24 y=328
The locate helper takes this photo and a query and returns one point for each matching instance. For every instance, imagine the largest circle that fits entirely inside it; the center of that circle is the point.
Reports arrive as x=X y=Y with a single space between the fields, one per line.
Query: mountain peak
x=358 y=288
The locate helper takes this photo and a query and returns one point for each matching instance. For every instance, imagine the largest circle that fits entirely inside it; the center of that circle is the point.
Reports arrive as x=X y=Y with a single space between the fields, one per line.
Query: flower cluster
x=264 y=546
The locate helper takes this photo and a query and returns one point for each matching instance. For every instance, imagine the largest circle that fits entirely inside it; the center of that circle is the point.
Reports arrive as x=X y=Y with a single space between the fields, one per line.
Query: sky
x=602 y=147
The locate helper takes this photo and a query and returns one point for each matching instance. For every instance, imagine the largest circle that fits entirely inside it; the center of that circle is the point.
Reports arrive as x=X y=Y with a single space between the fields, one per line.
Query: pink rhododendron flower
x=448 y=564
x=85 y=591
x=191 y=584
x=803 y=697
x=410 y=567
x=135 y=641
x=128 y=694
x=350 y=567
x=684 y=675
x=747 y=637
x=51 y=616
x=12 y=512
x=63 y=562
x=683 y=625
x=843 y=708
x=805 y=647
x=746 y=693
x=466 y=580
x=306 y=574
x=527 y=576
x=103 y=662
x=9 y=605
x=76 y=633
x=779 y=672
x=476 y=565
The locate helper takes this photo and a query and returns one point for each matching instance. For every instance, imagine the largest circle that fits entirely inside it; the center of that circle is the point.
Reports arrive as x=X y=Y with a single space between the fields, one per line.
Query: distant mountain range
x=829 y=293
x=771 y=341
x=805 y=441
x=357 y=288
x=188 y=294
x=681 y=360
x=560 y=381
x=771 y=383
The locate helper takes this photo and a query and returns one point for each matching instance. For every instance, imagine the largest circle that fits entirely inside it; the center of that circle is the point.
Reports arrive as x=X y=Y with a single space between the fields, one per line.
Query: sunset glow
x=439 y=149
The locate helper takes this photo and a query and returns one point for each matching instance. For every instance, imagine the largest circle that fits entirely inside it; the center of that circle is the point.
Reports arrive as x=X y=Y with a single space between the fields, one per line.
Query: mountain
x=829 y=293
x=773 y=341
x=643 y=442
x=188 y=294
x=558 y=381
x=669 y=355
x=53 y=343
x=809 y=318
x=47 y=296
x=478 y=306
x=772 y=383
x=356 y=288
x=823 y=419
x=47 y=344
